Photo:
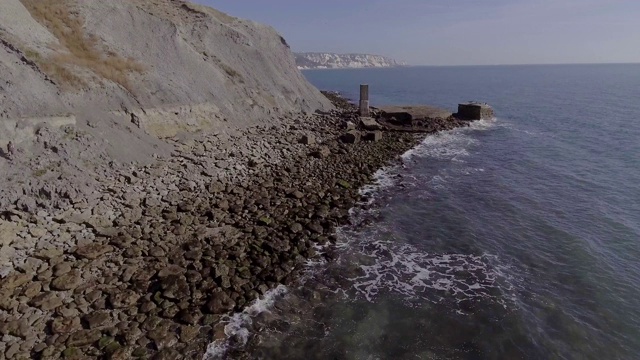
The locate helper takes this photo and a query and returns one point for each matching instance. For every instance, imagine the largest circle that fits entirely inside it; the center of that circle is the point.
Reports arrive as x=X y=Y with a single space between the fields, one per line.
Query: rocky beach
x=150 y=262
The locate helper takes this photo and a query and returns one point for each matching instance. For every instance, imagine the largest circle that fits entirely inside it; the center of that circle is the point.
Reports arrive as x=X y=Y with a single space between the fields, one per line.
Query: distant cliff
x=339 y=61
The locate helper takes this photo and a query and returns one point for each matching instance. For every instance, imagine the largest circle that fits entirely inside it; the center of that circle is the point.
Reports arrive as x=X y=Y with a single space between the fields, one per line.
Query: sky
x=455 y=32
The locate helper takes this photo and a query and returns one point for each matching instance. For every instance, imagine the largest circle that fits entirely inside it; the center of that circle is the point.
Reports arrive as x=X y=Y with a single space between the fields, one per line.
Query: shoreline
x=178 y=250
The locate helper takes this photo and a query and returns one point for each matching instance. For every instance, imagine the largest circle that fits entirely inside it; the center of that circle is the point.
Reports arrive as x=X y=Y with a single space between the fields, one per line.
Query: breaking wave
x=237 y=328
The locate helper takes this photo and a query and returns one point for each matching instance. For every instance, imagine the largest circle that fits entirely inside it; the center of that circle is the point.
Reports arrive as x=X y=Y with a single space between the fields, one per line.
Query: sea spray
x=237 y=325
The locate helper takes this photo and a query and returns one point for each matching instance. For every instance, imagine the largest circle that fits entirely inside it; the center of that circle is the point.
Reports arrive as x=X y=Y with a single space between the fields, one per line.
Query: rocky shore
x=148 y=265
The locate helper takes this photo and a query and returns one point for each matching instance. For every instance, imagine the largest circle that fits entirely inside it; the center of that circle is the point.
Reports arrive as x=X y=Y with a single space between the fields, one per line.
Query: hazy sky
x=454 y=32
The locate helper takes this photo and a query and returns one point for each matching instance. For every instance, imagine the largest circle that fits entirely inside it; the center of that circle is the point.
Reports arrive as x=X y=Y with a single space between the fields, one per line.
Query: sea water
x=515 y=238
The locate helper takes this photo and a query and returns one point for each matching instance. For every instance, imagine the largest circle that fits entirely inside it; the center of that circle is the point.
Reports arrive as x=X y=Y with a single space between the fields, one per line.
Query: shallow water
x=515 y=238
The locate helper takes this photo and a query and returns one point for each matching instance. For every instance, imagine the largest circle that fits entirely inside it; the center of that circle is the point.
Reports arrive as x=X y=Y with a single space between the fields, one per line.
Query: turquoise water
x=517 y=238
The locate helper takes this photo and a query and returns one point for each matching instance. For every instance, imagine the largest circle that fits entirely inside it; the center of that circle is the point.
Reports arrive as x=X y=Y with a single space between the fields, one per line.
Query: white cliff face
x=339 y=61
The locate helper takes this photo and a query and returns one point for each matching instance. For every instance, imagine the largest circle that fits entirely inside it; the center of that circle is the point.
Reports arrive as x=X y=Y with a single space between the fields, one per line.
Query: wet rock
x=296 y=228
x=188 y=333
x=190 y=316
x=315 y=227
x=220 y=303
x=139 y=352
x=168 y=354
x=175 y=287
x=163 y=338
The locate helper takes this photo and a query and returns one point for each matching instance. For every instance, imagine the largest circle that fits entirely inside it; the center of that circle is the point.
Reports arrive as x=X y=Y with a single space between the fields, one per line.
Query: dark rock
x=308 y=139
x=343 y=184
x=220 y=303
x=322 y=152
x=190 y=316
x=175 y=287
x=295 y=228
x=83 y=338
x=123 y=299
x=351 y=137
x=97 y=319
x=374 y=136
x=168 y=354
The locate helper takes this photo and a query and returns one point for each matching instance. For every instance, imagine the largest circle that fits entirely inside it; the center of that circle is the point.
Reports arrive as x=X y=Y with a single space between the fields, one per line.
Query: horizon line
x=480 y=65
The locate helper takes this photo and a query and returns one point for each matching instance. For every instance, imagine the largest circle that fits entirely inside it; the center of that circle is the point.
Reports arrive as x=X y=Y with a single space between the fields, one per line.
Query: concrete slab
x=410 y=113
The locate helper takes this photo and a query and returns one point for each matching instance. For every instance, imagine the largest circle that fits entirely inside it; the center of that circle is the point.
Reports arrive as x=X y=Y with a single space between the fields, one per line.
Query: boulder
x=370 y=124
x=348 y=125
x=308 y=139
x=83 y=338
x=67 y=281
x=93 y=251
x=374 y=136
x=46 y=301
x=220 y=303
x=322 y=152
x=350 y=137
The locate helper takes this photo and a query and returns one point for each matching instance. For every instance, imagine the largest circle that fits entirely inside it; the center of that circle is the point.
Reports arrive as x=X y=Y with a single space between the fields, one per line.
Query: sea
x=515 y=238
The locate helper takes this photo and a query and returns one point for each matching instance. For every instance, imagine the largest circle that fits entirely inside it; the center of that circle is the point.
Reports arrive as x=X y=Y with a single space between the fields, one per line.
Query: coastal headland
x=168 y=165
x=148 y=268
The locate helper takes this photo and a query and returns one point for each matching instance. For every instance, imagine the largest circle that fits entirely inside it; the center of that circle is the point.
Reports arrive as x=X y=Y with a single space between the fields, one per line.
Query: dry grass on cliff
x=81 y=50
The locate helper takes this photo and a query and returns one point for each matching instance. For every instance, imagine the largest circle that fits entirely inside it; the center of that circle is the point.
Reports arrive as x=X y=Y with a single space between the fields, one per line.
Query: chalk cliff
x=340 y=61
x=164 y=65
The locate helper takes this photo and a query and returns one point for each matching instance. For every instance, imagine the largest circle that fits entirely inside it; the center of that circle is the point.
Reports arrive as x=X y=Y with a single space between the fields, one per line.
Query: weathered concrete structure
x=409 y=115
x=474 y=111
x=368 y=123
x=364 y=100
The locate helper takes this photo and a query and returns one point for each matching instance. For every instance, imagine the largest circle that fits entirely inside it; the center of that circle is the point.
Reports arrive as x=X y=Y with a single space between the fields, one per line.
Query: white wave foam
x=238 y=324
x=449 y=145
x=403 y=269
x=383 y=178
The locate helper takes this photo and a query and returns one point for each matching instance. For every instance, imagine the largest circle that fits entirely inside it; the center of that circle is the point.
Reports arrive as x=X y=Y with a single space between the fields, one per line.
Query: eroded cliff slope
x=164 y=66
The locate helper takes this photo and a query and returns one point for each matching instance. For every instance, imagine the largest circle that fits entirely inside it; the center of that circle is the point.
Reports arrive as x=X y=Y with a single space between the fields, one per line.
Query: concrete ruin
x=412 y=115
x=474 y=111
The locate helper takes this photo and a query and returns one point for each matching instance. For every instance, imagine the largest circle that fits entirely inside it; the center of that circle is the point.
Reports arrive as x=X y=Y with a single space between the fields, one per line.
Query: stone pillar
x=364 y=100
